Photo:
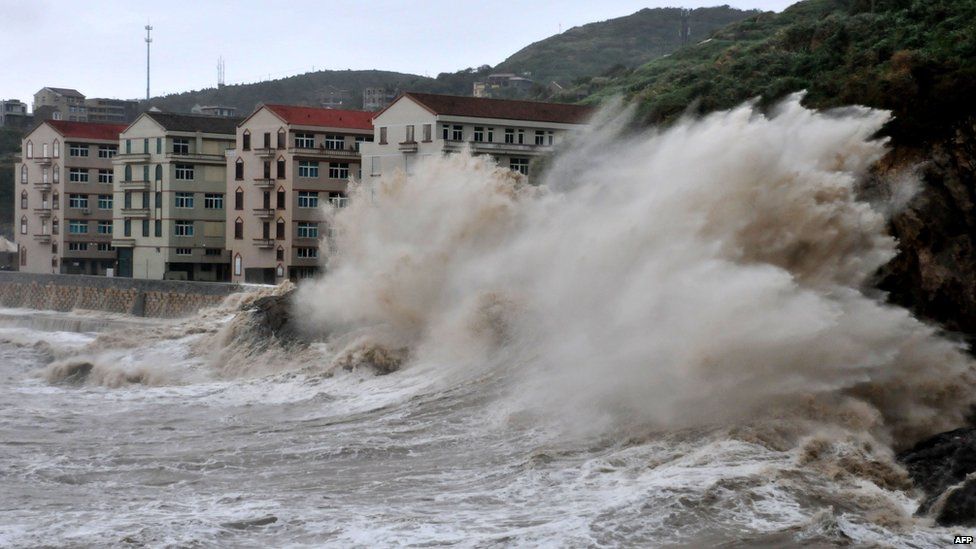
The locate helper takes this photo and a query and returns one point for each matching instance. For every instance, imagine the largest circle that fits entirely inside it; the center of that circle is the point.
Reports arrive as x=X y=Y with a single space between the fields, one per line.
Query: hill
x=630 y=41
x=916 y=58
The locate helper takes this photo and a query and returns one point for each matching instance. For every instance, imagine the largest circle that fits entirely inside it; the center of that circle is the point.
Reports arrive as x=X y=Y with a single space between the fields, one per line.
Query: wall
x=150 y=298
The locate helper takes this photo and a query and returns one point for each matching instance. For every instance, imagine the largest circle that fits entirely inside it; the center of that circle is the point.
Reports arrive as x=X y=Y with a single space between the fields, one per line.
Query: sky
x=98 y=47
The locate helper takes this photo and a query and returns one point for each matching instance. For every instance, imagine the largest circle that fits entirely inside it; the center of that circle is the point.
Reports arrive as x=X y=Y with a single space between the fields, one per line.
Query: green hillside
x=9 y=151
x=629 y=41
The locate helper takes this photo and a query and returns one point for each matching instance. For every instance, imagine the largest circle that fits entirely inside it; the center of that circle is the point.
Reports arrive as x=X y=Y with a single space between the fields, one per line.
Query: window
x=105 y=176
x=183 y=228
x=127 y=173
x=457 y=132
x=181 y=145
x=520 y=165
x=23 y=225
x=408 y=134
x=23 y=255
x=239 y=169
x=184 y=172
x=145 y=227
x=57 y=149
x=23 y=200
x=159 y=200
x=549 y=137
x=30 y=150
x=338 y=170
x=145 y=201
x=427 y=130
x=509 y=135
x=159 y=172
x=334 y=142
x=127 y=227
x=374 y=165
x=281 y=138
x=280 y=254
x=145 y=145
x=213 y=252
x=159 y=145
x=57 y=174
x=491 y=135
x=239 y=199
x=304 y=141
x=77 y=246
x=479 y=133
x=307 y=168
x=308 y=230
x=540 y=137
x=267 y=140
x=56 y=201
x=239 y=229
x=237 y=265
x=105 y=202
x=521 y=136
x=77 y=226
x=338 y=200
x=280 y=169
x=145 y=173
x=128 y=146
x=266 y=173
x=107 y=151
x=79 y=201
x=77 y=175
x=213 y=201
x=280 y=230
x=23 y=173
x=184 y=200
x=104 y=227
x=104 y=247
x=159 y=228
x=308 y=199
x=246 y=140
x=281 y=200
x=44 y=151
x=77 y=149
x=307 y=253
x=382 y=137
x=127 y=202
x=184 y=251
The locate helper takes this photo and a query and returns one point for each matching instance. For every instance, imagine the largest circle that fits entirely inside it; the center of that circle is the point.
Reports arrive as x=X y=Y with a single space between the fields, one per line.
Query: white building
x=419 y=125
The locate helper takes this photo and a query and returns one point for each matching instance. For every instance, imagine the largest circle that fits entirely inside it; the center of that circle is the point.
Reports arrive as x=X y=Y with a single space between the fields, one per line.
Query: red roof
x=481 y=107
x=315 y=116
x=88 y=130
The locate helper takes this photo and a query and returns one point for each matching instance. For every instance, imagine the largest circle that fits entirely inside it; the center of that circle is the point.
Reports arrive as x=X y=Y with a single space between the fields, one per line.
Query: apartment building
x=375 y=99
x=287 y=163
x=420 y=125
x=169 y=206
x=70 y=104
x=13 y=112
x=64 y=197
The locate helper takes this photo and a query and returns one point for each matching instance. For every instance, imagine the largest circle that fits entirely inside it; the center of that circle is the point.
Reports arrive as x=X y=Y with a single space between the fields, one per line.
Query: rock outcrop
x=941 y=467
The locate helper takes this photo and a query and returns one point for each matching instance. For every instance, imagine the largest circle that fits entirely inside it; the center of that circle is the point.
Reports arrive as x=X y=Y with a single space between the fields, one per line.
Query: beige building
x=421 y=125
x=64 y=197
x=170 y=185
x=70 y=104
x=288 y=162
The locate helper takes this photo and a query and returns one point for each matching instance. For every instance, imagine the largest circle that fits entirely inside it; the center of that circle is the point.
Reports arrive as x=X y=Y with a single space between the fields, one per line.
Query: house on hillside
x=287 y=162
x=421 y=125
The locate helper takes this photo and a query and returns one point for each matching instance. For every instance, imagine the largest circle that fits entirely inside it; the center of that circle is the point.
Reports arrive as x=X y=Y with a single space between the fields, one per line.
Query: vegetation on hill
x=629 y=41
x=9 y=152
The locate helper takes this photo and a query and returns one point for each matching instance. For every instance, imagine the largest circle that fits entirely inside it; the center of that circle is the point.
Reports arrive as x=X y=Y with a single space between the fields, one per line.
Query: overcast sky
x=97 y=46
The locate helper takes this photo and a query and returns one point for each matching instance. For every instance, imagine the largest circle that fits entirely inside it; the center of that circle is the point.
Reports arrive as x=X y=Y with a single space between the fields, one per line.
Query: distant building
x=420 y=125
x=70 y=104
x=119 y=111
x=502 y=84
x=215 y=110
x=375 y=99
x=13 y=112
x=64 y=197
x=170 y=186
x=288 y=162
x=332 y=97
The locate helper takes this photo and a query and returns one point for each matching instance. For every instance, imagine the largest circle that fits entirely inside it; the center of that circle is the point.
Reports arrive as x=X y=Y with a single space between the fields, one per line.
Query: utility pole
x=148 y=42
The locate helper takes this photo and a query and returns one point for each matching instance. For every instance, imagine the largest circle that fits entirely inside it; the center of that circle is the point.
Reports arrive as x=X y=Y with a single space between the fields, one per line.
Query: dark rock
x=272 y=317
x=938 y=464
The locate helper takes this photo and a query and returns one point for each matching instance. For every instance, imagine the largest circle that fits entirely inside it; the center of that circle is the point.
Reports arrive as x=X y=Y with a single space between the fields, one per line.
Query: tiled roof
x=315 y=116
x=87 y=130
x=195 y=123
x=480 y=107
x=66 y=91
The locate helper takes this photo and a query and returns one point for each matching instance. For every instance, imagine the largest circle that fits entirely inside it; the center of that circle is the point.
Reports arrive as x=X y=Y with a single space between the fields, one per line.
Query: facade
x=169 y=205
x=375 y=99
x=215 y=110
x=501 y=85
x=117 y=111
x=13 y=113
x=421 y=125
x=70 y=104
x=287 y=163
x=64 y=198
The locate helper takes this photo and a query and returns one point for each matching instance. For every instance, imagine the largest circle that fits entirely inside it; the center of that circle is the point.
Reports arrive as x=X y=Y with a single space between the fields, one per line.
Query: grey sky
x=97 y=46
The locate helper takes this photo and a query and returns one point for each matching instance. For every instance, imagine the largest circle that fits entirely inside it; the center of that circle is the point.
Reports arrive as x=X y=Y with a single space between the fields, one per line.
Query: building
x=502 y=85
x=13 y=112
x=419 y=125
x=70 y=104
x=170 y=183
x=215 y=110
x=375 y=99
x=288 y=162
x=64 y=197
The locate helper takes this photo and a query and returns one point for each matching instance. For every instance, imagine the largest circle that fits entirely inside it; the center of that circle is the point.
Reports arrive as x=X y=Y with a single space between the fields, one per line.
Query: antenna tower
x=220 y=72
x=148 y=42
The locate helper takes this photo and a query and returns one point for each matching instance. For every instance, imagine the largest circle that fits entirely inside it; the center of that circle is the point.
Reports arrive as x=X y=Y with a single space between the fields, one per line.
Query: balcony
x=264 y=213
x=128 y=158
x=323 y=153
x=264 y=183
x=42 y=212
x=197 y=158
x=43 y=160
x=264 y=243
x=266 y=152
x=135 y=212
x=123 y=242
x=42 y=186
x=134 y=185
x=483 y=147
x=408 y=146
x=43 y=238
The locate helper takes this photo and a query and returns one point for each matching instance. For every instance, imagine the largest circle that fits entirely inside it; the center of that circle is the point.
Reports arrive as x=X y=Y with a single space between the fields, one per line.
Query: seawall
x=149 y=298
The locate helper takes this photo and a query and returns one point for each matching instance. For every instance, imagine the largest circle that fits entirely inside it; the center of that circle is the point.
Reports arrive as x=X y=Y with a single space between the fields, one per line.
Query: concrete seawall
x=149 y=298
